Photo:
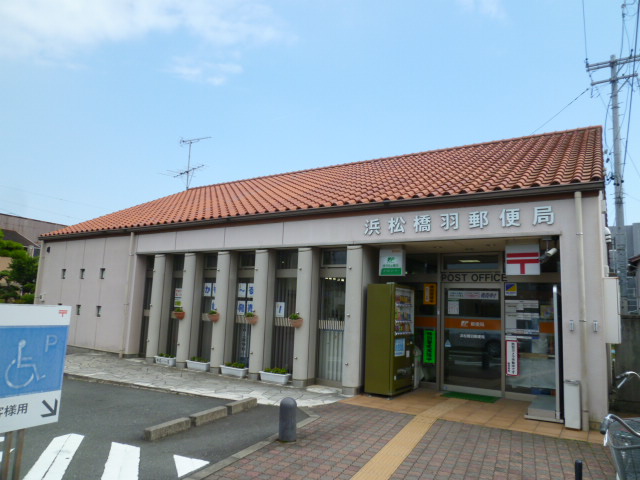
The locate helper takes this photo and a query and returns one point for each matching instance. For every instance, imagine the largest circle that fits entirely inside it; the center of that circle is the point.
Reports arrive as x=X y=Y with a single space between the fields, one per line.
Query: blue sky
x=95 y=96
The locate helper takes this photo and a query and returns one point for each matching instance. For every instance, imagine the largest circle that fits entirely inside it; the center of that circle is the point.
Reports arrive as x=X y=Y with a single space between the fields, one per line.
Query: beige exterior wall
x=120 y=293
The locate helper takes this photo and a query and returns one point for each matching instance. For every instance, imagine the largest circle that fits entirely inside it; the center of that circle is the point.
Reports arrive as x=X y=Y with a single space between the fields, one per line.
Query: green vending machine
x=389 y=340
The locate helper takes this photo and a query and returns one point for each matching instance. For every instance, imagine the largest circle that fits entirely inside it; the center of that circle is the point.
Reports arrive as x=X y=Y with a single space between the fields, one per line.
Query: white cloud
x=58 y=29
x=490 y=8
x=195 y=70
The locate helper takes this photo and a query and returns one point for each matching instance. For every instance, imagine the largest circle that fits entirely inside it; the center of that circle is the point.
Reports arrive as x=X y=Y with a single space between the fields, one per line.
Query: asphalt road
x=100 y=414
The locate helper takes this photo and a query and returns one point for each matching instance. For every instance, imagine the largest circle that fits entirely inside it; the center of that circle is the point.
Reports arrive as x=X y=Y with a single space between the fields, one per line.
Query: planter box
x=166 y=361
x=198 y=366
x=233 y=371
x=279 y=378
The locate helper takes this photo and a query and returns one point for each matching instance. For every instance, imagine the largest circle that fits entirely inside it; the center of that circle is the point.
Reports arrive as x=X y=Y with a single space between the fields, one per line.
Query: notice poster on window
x=280 y=309
x=429 y=347
x=250 y=290
x=207 y=290
x=242 y=290
x=241 y=308
x=512 y=357
x=250 y=307
x=453 y=307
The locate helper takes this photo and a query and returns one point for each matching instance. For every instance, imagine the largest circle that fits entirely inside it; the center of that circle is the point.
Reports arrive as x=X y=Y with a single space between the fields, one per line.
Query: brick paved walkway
x=457 y=451
x=345 y=438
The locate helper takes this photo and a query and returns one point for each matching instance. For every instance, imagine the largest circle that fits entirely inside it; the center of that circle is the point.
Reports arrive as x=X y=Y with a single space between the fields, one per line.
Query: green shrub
x=280 y=371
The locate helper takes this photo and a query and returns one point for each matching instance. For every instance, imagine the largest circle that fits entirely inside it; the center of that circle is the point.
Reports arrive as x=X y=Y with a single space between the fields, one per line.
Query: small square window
x=247 y=260
x=98 y=311
x=334 y=257
x=82 y=273
x=78 y=309
x=102 y=272
x=64 y=273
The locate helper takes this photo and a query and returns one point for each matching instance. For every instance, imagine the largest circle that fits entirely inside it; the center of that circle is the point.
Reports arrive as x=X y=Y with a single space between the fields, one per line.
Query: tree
x=20 y=278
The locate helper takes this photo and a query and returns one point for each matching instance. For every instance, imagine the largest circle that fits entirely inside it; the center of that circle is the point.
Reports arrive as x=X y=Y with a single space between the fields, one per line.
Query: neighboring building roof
x=16 y=237
x=553 y=159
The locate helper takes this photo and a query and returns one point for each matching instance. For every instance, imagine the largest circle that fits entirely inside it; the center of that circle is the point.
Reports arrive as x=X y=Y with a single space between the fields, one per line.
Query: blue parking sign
x=32 y=359
x=33 y=347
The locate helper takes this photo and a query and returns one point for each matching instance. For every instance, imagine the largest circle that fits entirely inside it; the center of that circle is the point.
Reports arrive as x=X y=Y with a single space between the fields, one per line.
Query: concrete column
x=226 y=310
x=155 y=312
x=305 y=341
x=260 y=282
x=184 y=326
x=354 y=321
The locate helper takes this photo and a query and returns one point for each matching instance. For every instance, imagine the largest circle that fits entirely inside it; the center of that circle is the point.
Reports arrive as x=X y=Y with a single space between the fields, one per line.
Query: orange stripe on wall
x=426 y=322
x=473 y=323
x=547 y=327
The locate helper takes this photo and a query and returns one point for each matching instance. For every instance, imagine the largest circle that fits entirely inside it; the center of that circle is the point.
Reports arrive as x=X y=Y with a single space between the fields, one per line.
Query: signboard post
x=33 y=346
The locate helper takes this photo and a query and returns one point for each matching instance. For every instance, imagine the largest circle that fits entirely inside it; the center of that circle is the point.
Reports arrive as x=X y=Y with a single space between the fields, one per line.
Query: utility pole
x=621 y=258
x=189 y=171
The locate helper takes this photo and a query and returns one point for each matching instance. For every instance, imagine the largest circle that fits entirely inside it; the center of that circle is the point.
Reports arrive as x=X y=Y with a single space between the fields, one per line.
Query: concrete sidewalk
x=414 y=436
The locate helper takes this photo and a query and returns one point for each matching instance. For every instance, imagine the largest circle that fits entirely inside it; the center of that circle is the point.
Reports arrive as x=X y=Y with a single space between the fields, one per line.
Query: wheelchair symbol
x=12 y=373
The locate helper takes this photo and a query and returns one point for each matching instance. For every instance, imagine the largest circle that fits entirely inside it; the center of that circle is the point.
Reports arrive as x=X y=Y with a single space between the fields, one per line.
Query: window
x=82 y=273
x=287 y=259
x=102 y=272
x=471 y=262
x=98 y=311
x=335 y=257
x=64 y=273
x=178 y=263
x=78 y=309
x=247 y=260
x=211 y=261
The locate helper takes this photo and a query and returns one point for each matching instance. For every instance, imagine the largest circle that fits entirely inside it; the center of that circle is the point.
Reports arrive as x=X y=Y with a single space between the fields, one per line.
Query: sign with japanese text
x=33 y=344
x=430 y=294
x=391 y=262
x=522 y=259
x=429 y=347
x=512 y=357
x=427 y=223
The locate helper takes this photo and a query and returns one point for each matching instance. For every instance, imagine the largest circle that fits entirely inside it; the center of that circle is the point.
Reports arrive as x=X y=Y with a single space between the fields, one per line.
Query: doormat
x=471 y=396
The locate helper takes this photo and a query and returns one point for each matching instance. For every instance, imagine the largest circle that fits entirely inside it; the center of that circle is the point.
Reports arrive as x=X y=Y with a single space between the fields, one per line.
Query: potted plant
x=252 y=318
x=213 y=316
x=275 y=375
x=165 y=359
x=295 y=320
x=178 y=313
x=234 y=369
x=198 y=363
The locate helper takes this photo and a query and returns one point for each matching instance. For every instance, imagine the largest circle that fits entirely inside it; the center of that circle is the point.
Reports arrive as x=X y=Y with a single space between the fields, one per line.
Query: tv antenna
x=188 y=173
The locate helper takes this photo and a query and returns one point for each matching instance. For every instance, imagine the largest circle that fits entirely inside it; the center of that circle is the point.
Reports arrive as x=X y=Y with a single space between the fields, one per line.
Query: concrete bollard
x=288 y=407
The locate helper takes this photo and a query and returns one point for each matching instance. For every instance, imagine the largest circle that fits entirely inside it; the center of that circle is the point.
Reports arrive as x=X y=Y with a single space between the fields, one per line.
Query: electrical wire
x=562 y=110
x=634 y=70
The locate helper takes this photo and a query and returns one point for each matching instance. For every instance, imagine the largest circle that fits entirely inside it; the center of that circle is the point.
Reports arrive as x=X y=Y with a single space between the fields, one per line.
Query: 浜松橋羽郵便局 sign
x=33 y=345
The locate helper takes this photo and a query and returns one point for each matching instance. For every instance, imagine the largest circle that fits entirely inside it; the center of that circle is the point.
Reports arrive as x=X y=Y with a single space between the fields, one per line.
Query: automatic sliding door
x=472 y=339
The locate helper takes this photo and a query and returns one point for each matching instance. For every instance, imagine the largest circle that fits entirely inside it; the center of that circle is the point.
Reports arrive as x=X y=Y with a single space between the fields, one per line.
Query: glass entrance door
x=472 y=339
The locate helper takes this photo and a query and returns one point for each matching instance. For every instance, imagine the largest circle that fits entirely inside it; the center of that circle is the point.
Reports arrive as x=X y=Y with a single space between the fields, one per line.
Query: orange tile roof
x=560 y=158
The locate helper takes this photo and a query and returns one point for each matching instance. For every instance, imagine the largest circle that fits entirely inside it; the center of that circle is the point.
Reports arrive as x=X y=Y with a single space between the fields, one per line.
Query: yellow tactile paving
x=387 y=460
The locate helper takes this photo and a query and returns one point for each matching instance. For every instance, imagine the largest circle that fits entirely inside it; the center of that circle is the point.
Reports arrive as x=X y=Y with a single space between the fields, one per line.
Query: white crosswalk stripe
x=185 y=465
x=54 y=461
x=123 y=462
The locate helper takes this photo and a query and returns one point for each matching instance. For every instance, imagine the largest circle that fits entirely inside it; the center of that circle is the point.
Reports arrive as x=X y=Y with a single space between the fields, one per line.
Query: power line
x=563 y=109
